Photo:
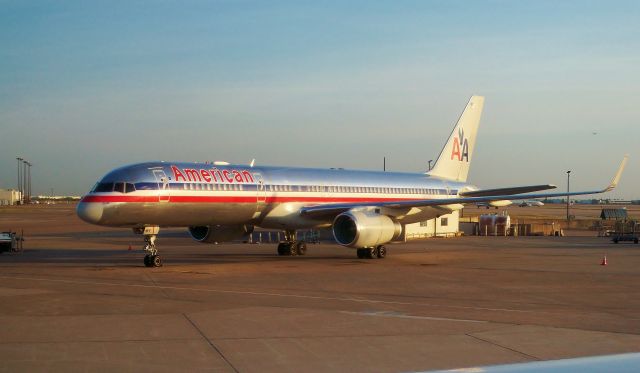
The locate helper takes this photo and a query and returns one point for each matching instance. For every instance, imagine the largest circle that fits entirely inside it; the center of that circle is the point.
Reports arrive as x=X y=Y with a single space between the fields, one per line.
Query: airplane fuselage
x=198 y=194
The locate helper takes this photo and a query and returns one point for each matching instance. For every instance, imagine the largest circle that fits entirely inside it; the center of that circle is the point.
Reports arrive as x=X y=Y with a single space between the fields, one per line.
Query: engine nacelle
x=361 y=229
x=500 y=203
x=219 y=233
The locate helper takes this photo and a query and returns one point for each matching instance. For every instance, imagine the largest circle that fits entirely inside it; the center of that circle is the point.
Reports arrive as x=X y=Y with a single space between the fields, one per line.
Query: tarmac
x=77 y=299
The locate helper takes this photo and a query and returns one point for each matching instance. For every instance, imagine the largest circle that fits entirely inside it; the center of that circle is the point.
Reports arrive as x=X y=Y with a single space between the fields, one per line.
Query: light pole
x=29 y=182
x=568 y=177
x=19 y=178
x=24 y=181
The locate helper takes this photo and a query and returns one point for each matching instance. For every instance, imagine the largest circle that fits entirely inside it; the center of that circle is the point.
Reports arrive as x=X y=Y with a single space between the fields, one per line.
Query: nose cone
x=91 y=212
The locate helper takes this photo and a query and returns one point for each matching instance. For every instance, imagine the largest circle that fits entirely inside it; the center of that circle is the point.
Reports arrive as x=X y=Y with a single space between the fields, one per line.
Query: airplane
x=218 y=201
x=533 y=203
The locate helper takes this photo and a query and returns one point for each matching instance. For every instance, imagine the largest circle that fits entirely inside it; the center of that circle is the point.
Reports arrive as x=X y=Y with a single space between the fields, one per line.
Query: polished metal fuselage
x=197 y=194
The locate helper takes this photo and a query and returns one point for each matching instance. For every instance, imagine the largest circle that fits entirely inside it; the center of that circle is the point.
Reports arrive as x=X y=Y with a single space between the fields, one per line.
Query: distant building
x=9 y=197
x=614 y=214
x=444 y=226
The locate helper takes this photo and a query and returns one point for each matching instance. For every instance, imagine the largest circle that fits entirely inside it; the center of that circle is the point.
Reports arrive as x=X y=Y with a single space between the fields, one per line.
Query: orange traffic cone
x=604 y=261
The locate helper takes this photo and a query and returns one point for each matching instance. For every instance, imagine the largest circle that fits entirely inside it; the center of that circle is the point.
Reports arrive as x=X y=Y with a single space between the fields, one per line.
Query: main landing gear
x=151 y=259
x=290 y=246
x=378 y=252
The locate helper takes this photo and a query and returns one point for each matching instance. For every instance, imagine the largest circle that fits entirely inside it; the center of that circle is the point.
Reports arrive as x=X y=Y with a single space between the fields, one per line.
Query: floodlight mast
x=19 y=159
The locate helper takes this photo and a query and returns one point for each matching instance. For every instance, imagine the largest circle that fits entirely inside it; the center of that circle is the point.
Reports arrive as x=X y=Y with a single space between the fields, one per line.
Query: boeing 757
x=217 y=201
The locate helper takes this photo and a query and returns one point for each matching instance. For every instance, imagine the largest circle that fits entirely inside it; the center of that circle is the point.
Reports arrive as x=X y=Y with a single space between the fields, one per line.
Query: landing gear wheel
x=283 y=248
x=156 y=261
x=372 y=253
x=362 y=253
x=382 y=252
x=152 y=261
x=301 y=248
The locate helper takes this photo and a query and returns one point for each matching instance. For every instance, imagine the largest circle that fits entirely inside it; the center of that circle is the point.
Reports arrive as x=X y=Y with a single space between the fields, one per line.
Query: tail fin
x=455 y=158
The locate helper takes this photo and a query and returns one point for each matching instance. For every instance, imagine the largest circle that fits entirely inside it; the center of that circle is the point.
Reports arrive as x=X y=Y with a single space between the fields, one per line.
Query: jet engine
x=361 y=229
x=500 y=203
x=219 y=233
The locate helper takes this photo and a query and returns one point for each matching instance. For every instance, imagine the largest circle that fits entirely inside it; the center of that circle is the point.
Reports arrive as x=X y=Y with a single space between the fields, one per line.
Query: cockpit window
x=118 y=187
x=103 y=187
x=128 y=188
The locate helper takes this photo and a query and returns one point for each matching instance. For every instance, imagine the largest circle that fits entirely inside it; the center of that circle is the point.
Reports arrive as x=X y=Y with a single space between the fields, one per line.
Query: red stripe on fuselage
x=237 y=199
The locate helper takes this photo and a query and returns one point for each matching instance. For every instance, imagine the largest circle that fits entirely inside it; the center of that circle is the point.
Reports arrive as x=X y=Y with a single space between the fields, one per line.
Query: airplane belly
x=287 y=216
x=177 y=214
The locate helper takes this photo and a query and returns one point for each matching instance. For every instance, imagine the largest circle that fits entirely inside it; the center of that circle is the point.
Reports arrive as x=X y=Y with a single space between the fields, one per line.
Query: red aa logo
x=460 y=149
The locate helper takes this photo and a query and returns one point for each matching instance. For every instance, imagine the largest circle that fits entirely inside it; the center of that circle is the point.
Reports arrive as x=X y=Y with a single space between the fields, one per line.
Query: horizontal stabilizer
x=506 y=191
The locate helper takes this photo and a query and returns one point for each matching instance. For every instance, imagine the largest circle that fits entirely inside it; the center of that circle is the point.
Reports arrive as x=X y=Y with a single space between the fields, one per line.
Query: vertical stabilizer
x=455 y=158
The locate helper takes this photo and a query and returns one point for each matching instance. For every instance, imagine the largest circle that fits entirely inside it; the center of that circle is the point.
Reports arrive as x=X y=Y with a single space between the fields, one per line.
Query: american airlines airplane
x=219 y=202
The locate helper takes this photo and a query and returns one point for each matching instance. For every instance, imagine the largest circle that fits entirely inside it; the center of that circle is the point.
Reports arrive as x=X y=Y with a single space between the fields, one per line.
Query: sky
x=89 y=86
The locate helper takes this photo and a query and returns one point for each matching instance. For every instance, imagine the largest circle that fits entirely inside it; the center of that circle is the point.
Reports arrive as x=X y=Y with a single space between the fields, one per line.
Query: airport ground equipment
x=626 y=231
x=11 y=242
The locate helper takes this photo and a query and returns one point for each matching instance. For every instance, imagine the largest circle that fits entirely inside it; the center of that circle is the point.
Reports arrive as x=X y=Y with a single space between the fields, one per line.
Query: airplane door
x=164 y=193
x=261 y=195
x=261 y=190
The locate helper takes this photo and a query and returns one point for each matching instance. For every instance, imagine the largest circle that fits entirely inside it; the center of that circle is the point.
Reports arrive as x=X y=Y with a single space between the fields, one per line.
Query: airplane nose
x=91 y=212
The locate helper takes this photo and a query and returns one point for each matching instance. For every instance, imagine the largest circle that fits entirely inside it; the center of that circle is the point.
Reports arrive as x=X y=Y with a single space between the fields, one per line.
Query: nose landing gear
x=151 y=259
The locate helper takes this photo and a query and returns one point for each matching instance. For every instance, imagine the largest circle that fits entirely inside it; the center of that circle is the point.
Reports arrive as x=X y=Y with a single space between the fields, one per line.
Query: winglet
x=616 y=178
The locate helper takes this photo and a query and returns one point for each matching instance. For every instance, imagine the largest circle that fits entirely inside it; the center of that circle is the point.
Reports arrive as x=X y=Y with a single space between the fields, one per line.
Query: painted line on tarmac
x=404 y=316
x=300 y=296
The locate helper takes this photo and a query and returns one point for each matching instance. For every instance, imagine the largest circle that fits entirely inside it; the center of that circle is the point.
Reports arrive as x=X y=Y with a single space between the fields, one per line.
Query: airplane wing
x=625 y=363
x=329 y=209
x=507 y=191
